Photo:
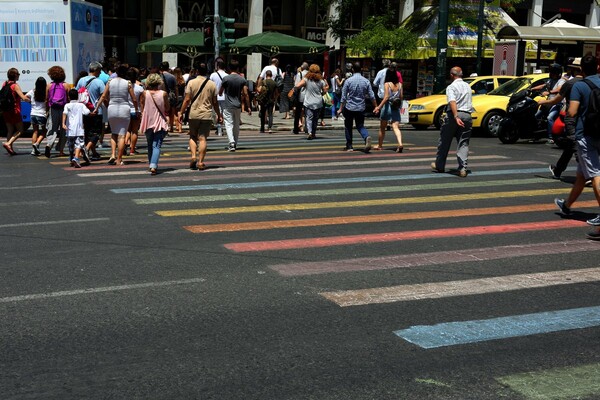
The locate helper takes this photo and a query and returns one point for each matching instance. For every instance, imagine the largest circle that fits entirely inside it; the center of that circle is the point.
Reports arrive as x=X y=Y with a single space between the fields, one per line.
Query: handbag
x=396 y=103
x=292 y=95
x=157 y=107
x=327 y=100
x=186 y=114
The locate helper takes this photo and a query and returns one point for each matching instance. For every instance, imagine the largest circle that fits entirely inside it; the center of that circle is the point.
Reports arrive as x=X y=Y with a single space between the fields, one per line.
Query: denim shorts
x=387 y=113
x=588 y=157
x=36 y=120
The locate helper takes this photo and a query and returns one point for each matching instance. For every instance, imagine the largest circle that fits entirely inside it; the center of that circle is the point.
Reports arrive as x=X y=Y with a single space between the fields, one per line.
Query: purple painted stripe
x=435 y=258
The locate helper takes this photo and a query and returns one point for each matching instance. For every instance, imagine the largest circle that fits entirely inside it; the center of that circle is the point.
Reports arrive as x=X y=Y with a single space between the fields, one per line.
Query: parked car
x=491 y=108
x=428 y=110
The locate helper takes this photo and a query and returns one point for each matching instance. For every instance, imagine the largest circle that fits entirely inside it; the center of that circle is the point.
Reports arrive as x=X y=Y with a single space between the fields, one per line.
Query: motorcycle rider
x=568 y=140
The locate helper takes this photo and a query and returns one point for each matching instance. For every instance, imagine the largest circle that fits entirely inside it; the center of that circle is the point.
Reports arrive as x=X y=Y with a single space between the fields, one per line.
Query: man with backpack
x=170 y=86
x=92 y=123
x=10 y=105
x=584 y=107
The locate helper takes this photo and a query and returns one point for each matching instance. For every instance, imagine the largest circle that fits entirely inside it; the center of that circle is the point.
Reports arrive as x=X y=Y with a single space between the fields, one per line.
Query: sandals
x=112 y=161
x=201 y=166
x=152 y=171
x=193 y=164
x=400 y=149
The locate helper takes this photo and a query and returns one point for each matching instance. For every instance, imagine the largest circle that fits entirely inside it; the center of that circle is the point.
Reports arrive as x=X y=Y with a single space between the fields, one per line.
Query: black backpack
x=591 y=124
x=7 y=98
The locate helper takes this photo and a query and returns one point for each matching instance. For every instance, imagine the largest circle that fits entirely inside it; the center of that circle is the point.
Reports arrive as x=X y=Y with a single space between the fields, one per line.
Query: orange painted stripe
x=314 y=242
x=360 y=219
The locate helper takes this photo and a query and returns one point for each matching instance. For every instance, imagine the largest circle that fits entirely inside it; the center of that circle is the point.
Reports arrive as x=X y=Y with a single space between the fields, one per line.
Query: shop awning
x=550 y=33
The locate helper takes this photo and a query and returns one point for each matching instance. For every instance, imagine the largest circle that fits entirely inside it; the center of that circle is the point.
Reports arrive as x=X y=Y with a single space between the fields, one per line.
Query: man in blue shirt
x=355 y=92
x=588 y=148
x=92 y=123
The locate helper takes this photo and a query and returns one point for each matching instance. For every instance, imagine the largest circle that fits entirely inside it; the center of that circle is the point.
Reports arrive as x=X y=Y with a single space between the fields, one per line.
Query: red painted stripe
x=400 y=236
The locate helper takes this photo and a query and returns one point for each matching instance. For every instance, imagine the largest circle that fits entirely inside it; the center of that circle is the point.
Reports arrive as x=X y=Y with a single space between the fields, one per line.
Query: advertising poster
x=505 y=58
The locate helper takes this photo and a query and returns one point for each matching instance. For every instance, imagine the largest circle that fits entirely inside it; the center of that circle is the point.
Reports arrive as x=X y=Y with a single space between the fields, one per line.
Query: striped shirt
x=460 y=92
x=355 y=91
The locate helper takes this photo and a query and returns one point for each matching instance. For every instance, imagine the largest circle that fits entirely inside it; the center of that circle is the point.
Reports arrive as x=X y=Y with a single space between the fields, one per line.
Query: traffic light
x=225 y=31
x=207 y=31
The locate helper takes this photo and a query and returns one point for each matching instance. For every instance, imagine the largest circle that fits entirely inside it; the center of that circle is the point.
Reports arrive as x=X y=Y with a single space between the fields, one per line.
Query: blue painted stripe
x=312 y=182
x=455 y=333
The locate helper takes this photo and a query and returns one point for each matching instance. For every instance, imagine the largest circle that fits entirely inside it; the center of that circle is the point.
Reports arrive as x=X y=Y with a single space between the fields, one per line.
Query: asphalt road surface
x=291 y=269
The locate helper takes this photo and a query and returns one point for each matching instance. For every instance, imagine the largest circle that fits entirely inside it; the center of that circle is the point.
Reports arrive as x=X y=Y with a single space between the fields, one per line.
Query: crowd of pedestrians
x=124 y=100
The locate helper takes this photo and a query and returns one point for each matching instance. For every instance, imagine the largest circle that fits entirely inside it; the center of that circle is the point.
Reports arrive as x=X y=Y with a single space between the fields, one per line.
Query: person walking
x=355 y=92
x=389 y=109
x=118 y=92
x=134 y=124
x=336 y=92
x=314 y=86
x=217 y=78
x=154 y=106
x=267 y=93
x=567 y=142
x=299 y=99
x=92 y=123
x=588 y=147
x=457 y=124
x=285 y=105
x=72 y=123
x=39 y=114
x=235 y=88
x=56 y=94
x=12 y=115
x=379 y=81
x=170 y=86
x=201 y=97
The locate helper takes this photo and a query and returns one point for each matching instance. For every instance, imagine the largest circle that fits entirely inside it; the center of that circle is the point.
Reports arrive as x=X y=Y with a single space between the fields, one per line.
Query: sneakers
x=462 y=173
x=86 y=157
x=594 y=221
x=231 y=147
x=368 y=144
x=434 y=168
x=594 y=235
x=75 y=162
x=36 y=150
x=560 y=203
x=47 y=151
x=552 y=169
x=348 y=149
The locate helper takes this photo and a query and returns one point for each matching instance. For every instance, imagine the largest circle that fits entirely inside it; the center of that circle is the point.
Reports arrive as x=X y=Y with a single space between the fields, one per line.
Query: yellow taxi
x=491 y=108
x=428 y=110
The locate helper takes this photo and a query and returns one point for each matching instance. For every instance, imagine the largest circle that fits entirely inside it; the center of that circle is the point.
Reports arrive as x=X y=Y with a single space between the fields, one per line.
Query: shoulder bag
x=186 y=114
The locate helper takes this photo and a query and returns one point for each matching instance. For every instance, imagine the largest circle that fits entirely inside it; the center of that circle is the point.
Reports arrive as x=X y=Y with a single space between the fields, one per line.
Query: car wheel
x=437 y=118
x=419 y=127
x=491 y=122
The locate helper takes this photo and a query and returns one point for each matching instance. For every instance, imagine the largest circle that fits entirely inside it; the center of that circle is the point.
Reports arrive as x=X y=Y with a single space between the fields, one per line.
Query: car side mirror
x=472 y=91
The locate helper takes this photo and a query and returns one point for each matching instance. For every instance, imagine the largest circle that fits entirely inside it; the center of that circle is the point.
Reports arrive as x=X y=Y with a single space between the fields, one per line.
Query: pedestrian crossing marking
x=434 y=258
x=361 y=203
x=565 y=383
x=466 y=332
x=468 y=287
x=327 y=181
x=316 y=242
x=362 y=219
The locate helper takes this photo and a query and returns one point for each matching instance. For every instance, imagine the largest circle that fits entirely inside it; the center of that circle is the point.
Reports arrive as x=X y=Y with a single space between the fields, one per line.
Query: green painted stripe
x=335 y=192
x=557 y=384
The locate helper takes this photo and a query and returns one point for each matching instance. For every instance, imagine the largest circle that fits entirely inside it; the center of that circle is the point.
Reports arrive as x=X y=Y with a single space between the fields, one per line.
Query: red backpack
x=84 y=96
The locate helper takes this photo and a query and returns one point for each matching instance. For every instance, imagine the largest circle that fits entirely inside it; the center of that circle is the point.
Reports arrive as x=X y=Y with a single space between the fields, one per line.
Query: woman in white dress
x=118 y=92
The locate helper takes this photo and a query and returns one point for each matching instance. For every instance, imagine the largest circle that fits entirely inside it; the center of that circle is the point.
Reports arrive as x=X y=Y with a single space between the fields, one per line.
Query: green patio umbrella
x=190 y=43
x=273 y=43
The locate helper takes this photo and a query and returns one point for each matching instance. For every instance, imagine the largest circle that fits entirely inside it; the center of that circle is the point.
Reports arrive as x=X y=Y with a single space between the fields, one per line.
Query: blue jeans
x=350 y=118
x=155 y=140
x=552 y=115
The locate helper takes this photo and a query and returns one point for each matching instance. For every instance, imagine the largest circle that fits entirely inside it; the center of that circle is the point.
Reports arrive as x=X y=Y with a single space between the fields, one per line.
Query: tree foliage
x=379 y=36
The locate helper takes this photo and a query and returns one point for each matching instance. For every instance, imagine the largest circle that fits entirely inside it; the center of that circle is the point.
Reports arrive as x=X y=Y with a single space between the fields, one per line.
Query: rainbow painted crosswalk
x=309 y=210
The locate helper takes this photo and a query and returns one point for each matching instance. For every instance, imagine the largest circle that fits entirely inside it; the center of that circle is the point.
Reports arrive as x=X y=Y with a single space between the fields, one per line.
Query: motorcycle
x=521 y=121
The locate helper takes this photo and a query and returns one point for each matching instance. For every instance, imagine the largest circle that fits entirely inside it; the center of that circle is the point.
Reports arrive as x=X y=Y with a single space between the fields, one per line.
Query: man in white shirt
x=379 y=81
x=457 y=124
x=274 y=68
x=217 y=78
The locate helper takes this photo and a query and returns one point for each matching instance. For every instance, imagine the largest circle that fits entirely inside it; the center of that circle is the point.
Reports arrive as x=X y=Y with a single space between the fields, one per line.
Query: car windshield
x=510 y=87
x=468 y=80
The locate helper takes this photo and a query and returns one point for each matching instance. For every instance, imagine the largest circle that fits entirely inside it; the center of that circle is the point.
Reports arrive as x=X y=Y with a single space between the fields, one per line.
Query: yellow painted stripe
x=361 y=219
x=361 y=203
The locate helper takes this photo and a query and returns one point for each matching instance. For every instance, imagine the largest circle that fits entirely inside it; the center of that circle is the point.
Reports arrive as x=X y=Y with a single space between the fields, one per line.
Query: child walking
x=72 y=123
x=39 y=113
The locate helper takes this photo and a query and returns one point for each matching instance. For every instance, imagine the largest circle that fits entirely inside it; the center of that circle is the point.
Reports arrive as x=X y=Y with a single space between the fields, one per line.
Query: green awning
x=273 y=43
x=190 y=43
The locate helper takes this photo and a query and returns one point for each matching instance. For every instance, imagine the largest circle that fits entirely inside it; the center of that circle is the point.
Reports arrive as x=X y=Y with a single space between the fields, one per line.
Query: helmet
x=555 y=69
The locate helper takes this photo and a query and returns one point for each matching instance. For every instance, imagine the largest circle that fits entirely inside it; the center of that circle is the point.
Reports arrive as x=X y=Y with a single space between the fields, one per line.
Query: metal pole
x=216 y=27
x=442 y=46
x=480 y=36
